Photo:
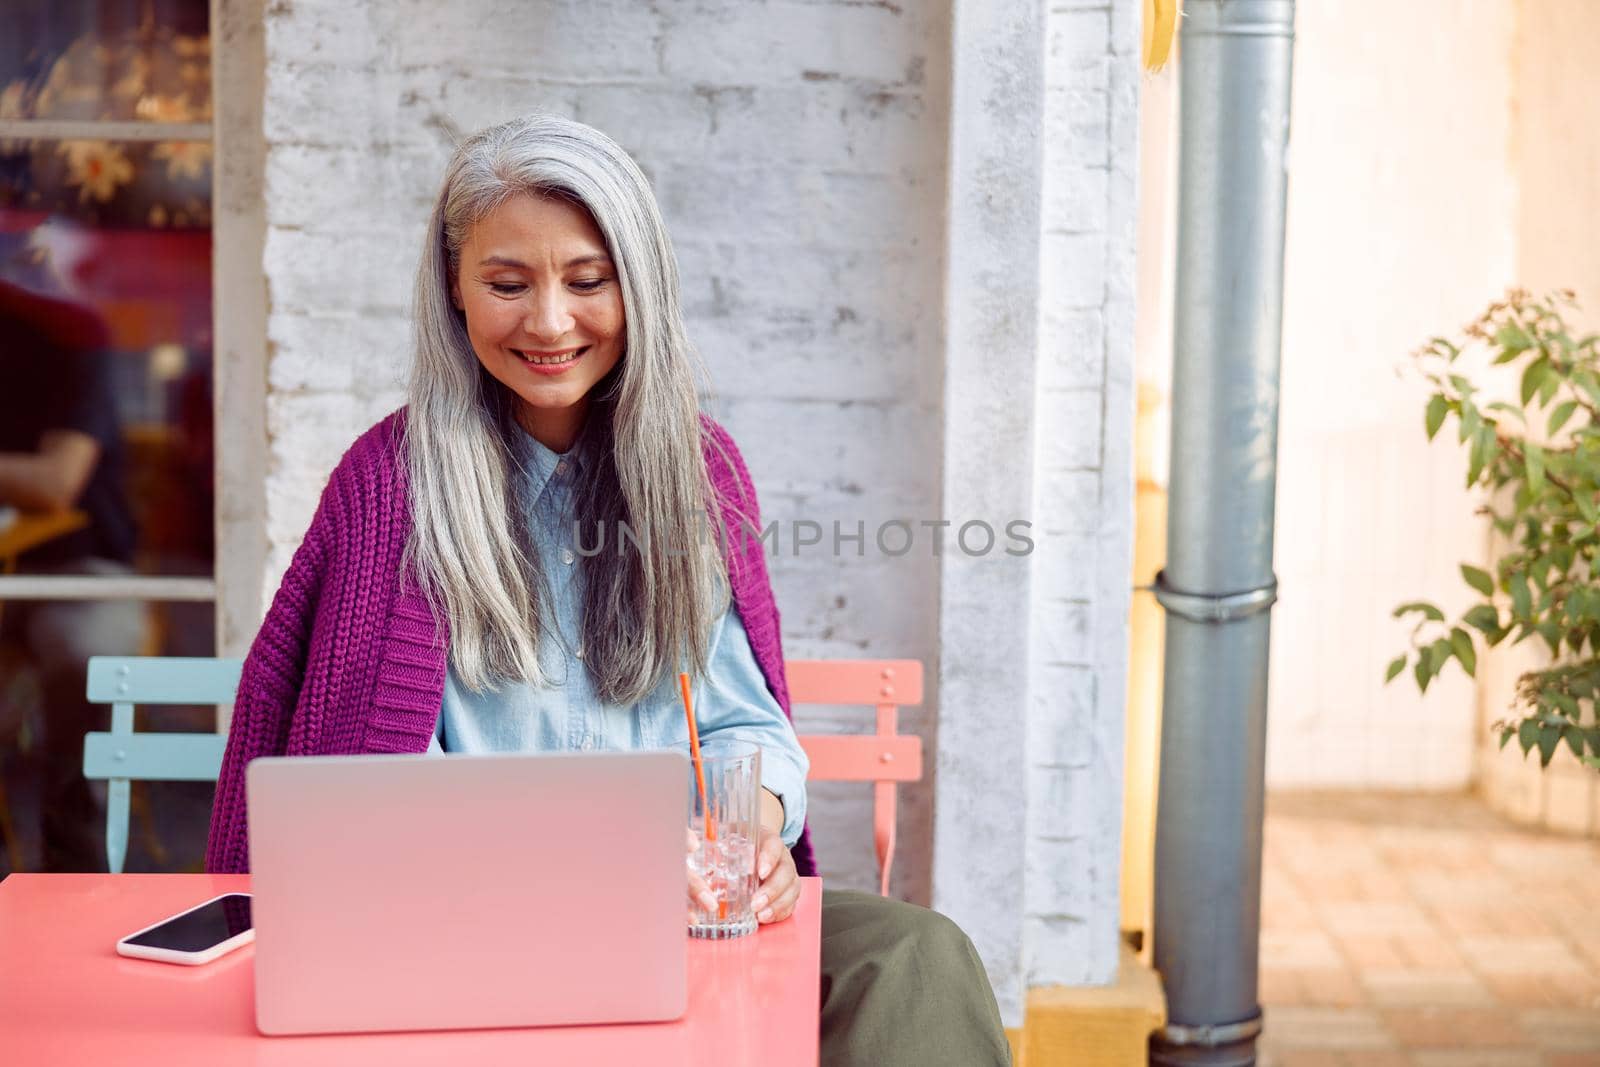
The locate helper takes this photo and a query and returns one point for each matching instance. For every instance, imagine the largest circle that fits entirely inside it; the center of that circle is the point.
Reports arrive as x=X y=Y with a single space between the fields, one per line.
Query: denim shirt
x=568 y=714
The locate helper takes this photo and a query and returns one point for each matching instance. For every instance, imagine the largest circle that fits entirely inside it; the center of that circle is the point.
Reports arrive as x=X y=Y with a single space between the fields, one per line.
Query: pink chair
x=883 y=758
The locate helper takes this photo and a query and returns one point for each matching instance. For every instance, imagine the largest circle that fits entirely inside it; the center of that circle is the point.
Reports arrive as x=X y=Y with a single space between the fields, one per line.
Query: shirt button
x=579 y=652
x=567 y=557
x=588 y=743
x=561 y=468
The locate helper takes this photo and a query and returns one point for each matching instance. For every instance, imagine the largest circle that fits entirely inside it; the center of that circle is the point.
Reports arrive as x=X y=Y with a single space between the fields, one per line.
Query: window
x=106 y=341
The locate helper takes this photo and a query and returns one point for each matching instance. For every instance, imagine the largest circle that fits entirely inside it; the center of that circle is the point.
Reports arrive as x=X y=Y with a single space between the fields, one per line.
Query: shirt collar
x=540 y=463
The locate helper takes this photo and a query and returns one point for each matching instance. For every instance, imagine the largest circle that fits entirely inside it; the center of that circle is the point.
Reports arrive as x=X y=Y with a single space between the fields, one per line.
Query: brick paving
x=1425 y=931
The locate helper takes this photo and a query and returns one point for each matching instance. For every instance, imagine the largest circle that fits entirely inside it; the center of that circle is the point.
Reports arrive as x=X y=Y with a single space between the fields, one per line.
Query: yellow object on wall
x=1093 y=1026
x=1147 y=626
x=1160 y=28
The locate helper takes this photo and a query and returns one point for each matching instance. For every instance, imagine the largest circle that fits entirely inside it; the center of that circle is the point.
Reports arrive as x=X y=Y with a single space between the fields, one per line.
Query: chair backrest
x=884 y=757
x=123 y=755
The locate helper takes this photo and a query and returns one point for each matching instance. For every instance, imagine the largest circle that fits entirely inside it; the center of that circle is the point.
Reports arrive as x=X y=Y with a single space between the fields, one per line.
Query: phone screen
x=198 y=929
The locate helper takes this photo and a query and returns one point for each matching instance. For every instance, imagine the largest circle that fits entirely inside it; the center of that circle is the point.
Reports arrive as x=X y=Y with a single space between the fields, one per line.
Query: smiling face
x=543 y=308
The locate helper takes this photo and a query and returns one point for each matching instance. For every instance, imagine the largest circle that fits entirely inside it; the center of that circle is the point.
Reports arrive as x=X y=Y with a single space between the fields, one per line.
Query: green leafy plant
x=1543 y=455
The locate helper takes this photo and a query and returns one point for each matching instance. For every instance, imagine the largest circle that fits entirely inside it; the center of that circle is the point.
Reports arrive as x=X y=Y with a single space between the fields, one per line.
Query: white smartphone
x=196 y=936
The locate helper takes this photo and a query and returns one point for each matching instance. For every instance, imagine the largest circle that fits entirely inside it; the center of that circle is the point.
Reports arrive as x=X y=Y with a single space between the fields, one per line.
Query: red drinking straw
x=699 y=772
x=694 y=752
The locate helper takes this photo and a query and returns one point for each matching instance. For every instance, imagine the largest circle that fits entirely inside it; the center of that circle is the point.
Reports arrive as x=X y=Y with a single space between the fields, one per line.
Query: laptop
x=464 y=891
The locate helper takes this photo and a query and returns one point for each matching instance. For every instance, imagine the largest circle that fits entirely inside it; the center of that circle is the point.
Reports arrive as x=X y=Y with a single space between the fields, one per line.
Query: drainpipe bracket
x=1210 y=1035
x=1213 y=607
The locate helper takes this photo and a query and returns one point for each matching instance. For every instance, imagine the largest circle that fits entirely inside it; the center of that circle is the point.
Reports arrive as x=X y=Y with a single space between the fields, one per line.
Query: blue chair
x=122 y=755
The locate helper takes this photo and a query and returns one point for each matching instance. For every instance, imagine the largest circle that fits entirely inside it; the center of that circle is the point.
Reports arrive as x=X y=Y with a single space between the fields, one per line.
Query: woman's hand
x=779 y=888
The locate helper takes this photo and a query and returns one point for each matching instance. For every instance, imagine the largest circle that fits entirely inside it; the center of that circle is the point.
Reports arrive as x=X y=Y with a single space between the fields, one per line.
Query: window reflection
x=107 y=333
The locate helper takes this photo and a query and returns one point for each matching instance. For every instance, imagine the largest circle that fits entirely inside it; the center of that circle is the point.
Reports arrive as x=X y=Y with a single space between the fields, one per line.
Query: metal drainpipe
x=1218 y=586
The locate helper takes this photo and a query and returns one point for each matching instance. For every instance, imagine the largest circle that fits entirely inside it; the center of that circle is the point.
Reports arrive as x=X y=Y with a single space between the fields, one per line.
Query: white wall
x=1433 y=162
x=1555 y=142
x=1400 y=226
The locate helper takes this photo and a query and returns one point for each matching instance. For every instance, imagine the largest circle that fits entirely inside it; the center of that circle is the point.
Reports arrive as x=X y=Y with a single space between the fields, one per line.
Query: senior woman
x=465 y=587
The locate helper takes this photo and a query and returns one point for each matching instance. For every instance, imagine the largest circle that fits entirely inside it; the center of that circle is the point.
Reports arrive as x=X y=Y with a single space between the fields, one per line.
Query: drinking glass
x=726 y=827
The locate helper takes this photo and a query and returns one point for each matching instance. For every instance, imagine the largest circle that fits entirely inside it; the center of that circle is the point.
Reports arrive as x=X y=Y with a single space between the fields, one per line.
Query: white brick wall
x=991 y=321
x=1084 y=488
x=796 y=151
x=800 y=154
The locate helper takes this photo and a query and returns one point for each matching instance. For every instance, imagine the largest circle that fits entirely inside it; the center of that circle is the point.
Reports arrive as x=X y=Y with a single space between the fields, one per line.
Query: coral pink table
x=67 y=998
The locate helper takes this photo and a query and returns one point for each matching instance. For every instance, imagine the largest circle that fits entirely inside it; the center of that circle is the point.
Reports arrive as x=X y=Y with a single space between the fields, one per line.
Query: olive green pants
x=903 y=985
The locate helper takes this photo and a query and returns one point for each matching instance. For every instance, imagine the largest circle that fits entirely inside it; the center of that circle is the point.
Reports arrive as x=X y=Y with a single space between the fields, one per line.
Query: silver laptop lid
x=420 y=892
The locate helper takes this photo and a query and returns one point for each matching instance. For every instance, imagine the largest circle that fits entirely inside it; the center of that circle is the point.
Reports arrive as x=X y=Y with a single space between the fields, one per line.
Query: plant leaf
x=1483 y=617
x=1528 y=734
x=1396 y=665
x=1433 y=614
x=1521 y=597
x=1436 y=412
x=1548 y=388
x=1549 y=738
x=1484 y=447
x=1577 y=604
x=1509 y=409
x=1588 y=383
x=1535 y=459
x=1513 y=338
x=1559 y=417
x=1478 y=578
x=1443 y=347
x=1552 y=636
x=1533 y=378
x=1461 y=645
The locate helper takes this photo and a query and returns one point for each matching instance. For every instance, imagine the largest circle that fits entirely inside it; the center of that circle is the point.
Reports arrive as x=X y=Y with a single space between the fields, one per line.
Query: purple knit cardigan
x=351 y=658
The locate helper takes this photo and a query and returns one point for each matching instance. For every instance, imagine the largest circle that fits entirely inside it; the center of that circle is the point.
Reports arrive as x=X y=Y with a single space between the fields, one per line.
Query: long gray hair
x=647 y=610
